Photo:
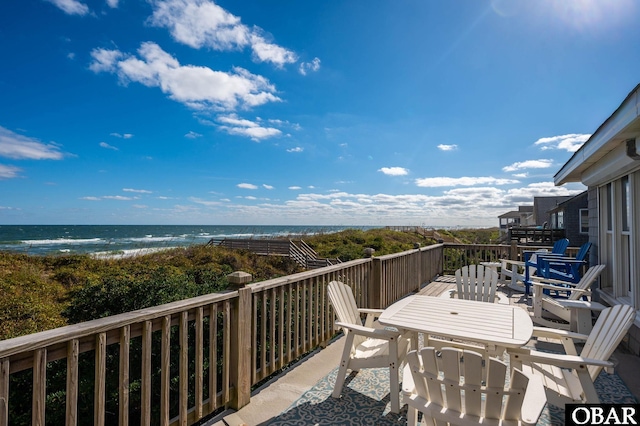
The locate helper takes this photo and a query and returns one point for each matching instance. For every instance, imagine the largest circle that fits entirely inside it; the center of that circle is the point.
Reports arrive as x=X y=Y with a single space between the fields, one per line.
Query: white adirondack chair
x=569 y=377
x=511 y=268
x=573 y=310
x=477 y=282
x=468 y=399
x=366 y=346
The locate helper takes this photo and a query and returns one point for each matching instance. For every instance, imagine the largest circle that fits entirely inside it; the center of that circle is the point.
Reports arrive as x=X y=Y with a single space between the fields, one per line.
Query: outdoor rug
x=365 y=401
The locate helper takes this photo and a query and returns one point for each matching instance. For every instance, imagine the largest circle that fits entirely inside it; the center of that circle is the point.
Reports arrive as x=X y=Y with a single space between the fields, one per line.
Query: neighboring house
x=609 y=165
x=537 y=215
x=521 y=217
x=572 y=215
x=541 y=208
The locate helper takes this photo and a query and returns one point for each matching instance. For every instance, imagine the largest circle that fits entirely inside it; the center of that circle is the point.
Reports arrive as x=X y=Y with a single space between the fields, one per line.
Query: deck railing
x=179 y=362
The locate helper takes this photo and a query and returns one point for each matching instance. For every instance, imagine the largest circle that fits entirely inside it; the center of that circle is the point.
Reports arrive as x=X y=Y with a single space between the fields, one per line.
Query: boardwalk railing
x=179 y=362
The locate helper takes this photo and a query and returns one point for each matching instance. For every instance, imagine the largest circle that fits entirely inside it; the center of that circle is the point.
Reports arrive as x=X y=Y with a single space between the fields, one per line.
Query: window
x=609 y=207
x=626 y=203
x=558 y=219
x=584 y=221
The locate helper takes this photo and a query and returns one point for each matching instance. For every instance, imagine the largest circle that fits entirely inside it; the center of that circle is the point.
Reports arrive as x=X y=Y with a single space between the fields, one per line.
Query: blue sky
x=416 y=112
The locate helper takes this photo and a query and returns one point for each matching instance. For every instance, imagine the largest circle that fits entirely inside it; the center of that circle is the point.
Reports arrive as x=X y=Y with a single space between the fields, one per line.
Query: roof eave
x=601 y=141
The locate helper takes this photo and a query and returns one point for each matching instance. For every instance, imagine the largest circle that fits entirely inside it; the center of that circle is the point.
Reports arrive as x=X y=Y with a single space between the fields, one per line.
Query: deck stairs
x=299 y=250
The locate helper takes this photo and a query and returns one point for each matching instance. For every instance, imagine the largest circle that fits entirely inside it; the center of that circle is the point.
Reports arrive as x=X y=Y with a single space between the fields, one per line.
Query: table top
x=488 y=323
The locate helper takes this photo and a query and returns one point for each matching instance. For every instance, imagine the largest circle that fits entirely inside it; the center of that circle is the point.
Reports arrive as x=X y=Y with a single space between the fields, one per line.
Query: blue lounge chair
x=559 y=248
x=563 y=268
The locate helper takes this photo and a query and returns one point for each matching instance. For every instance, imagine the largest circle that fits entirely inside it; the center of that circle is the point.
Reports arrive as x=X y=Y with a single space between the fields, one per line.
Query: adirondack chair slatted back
x=584 y=249
x=609 y=330
x=454 y=380
x=585 y=282
x=560 y=246
x=475 y=282
x=345 y=307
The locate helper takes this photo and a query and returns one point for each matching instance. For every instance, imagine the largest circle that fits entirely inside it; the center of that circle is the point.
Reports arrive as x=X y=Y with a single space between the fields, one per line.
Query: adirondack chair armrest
x=581 y=304
x=374 y=333
x=538 y=279
x=513 y=262
x=376 y=312
x=560 y=288
x=372 y=314
x=559 y=360
x=534 y=401
x=555 y=333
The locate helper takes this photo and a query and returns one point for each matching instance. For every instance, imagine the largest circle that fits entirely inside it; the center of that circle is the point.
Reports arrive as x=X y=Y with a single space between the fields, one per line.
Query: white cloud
x=295 y=188
x=90 y=198
x=443 y=147
x=202 y=23
x=571 y=142
x=112 y=3
x=196 y=87
x=250 y=197
x=305 y=67
x=8 y=172
x=138 y=191
x=19 y=147
x=234 y=125
x=394 y=171
x=192 y=135
x=296 y=149
x=247 y=186
x=265 y=186
x=122 y=136
x=107 y=146
x=462 y=181
x=118 y=198
x=71 y=7
x=529 y=164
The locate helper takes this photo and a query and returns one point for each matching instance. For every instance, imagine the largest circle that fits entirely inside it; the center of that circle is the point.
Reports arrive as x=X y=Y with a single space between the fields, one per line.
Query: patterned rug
x=365 y=401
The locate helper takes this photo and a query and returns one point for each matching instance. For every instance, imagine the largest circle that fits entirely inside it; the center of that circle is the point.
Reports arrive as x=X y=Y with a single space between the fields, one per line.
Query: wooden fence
x=179 y=362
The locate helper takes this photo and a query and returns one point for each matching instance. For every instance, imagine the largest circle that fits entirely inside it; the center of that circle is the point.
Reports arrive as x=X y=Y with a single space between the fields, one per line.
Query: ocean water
x=124 y=239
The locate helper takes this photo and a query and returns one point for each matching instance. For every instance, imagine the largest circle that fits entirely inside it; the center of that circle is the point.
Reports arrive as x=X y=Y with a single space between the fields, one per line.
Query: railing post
x=241 y=351
x=513 y=254
x=375 y=284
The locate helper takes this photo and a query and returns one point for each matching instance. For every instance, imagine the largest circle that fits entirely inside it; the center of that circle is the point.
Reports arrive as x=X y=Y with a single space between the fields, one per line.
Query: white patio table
x=494 y=325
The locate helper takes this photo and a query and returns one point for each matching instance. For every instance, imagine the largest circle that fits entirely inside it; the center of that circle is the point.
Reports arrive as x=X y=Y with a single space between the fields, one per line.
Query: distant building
x=537 y=215
x=521 y=217
x=572 y=215
x=542 y=207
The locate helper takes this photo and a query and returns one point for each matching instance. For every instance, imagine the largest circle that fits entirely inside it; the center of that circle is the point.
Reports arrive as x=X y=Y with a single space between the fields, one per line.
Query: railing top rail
x=276 y=282
x=407 y=252
x=75 y=331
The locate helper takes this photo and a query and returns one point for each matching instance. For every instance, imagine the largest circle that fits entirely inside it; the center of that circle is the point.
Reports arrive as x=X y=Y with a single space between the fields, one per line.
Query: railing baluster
x=100 y=379
x=4 y=392
x=213 y=357
x=73 y=352
x=39 y=387
x=274 y=342
x=123 y=376
x=281 y=327
x=263 y=336
x=145 y=415
x=184 y=367
x=199 y=355
x=226 y=348
x=165 y=369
